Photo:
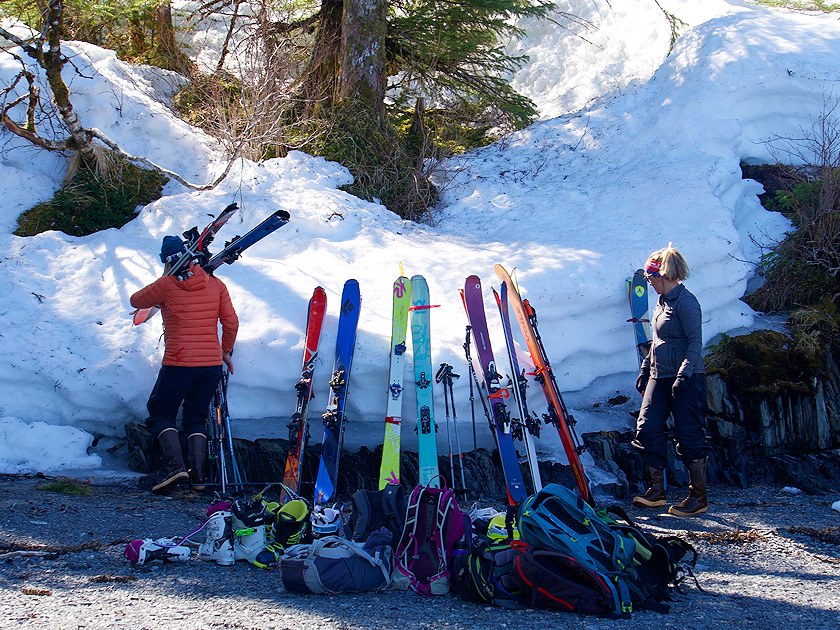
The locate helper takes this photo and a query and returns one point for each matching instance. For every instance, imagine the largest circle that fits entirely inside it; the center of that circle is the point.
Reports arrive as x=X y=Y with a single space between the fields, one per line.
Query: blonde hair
x=673 y=265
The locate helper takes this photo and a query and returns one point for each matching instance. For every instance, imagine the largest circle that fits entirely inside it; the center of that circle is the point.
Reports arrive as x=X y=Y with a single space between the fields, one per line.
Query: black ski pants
x=688 y=408
x=192 y=387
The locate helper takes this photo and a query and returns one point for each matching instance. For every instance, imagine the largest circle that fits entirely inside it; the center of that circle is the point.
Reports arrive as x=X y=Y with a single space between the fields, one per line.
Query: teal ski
x=421 y=344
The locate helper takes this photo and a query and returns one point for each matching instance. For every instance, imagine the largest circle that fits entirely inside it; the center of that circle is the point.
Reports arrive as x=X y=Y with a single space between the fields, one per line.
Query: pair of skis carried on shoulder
x=196 y=249
x=504 y=427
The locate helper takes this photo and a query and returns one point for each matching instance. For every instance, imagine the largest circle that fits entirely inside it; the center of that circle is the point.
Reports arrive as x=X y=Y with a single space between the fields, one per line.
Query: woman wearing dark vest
x=672 y=380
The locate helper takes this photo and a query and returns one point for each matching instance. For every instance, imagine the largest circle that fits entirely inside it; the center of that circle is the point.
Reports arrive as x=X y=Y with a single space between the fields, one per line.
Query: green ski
x=390 y=469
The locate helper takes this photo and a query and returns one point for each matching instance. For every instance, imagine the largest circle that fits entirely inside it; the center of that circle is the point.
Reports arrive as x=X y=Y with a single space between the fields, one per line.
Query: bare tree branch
x=34 y=138
x=96 y=133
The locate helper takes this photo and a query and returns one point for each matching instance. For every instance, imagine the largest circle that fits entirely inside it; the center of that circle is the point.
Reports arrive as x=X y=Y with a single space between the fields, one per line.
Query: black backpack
x=373 y=509
x=482 y=575
x=640 y=567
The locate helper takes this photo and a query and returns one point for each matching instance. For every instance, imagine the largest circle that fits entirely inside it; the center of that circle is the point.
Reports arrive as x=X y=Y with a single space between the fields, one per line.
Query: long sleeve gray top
x=677 y=336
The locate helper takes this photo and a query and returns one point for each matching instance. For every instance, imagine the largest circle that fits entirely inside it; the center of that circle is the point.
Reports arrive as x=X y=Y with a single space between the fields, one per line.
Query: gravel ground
x=754 y=571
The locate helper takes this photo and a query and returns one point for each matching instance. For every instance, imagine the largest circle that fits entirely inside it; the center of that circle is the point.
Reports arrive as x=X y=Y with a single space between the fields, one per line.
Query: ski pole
x=450 y=376
x=472 y=378
x=234 y=465
x=472 y=392
x=442 y=376
x=215 y=421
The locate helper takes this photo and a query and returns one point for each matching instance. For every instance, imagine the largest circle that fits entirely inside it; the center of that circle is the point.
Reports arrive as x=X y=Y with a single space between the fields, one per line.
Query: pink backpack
x=434 y=527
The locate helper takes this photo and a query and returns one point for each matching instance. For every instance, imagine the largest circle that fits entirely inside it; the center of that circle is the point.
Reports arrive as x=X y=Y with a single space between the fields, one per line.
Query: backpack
x=557 y=518
x=657 y=561
x=434 y=527
x=336 y=565
x=373 y=509
x=545 y=578
x=640 y=566
x=482 y=575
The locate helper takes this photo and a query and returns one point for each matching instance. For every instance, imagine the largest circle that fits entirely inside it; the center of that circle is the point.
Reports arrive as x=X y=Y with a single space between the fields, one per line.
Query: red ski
x=299 y=426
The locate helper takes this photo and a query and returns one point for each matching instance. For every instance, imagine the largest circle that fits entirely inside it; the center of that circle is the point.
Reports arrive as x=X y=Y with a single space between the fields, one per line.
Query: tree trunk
x=52 y=63
x=321 y=77
x=362 y=74
x=170 y=56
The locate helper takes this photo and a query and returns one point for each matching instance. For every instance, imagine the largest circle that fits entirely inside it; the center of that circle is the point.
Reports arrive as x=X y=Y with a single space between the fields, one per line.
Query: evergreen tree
x=442 y=59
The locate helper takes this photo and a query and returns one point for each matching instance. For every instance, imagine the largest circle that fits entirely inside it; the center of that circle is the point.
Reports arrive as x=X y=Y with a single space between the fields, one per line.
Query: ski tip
x=472 y=281
x=283 y=214
x=142 y=315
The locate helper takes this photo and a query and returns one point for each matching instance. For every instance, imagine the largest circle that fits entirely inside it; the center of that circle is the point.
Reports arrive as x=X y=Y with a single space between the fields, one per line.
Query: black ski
x=234 y=248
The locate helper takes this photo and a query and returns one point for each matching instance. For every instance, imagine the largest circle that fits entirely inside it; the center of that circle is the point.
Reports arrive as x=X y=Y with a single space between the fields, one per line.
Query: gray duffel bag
x=336 y=565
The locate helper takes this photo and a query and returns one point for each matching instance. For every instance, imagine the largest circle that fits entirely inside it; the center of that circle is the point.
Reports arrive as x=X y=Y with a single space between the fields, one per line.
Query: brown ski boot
x=695 y=502
x=176 y=473
x=655 y=494
x=196 y=452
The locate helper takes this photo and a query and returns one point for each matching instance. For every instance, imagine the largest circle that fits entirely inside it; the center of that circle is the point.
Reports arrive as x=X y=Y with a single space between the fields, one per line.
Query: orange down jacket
x=191 y=311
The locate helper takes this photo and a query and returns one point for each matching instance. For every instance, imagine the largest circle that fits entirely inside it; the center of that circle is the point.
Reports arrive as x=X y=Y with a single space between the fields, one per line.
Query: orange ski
x=557 y=413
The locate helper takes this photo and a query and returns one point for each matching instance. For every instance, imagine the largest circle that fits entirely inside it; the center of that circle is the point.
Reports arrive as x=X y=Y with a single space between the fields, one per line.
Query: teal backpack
x=639 y=566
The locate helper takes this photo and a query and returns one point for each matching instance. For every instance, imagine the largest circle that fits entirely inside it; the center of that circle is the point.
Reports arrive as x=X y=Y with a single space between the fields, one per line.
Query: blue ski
x=234 y=248
x=334 y=419
x=528 y=426
x=637 y=289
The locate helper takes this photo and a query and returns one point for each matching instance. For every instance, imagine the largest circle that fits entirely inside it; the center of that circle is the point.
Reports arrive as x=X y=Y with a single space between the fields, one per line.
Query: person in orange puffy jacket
x=192 y=304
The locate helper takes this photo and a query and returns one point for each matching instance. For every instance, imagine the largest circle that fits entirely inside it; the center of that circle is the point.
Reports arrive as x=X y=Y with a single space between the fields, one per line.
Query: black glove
x=642 y=380
x=679 y=386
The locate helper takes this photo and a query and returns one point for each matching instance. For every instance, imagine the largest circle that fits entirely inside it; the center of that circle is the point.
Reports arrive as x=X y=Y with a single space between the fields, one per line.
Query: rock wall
x=760 y=431
x=773 y=415
x=262 y=461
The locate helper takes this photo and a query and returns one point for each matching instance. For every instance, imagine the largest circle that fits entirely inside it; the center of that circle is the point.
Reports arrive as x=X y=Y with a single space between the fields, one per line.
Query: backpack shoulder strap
x=408 y=545
x=361 y=514
x=392 y=497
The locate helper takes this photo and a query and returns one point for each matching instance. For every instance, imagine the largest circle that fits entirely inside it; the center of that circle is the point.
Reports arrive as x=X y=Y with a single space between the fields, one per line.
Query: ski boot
x=286 y=529
x=164 y=550
x=249 y=529
x=325 y=521
x=219 y=543
x=499 y=532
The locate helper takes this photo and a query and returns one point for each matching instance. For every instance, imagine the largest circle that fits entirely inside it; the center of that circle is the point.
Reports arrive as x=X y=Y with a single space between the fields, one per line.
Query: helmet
x=497 y=530
x=171 y=248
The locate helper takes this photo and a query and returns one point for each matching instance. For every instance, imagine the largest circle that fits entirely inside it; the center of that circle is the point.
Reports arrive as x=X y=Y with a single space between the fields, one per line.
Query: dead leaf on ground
x=729 y=537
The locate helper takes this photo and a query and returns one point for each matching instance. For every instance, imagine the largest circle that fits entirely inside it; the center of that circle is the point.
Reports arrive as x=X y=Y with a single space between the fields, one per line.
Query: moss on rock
x=764 y=361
